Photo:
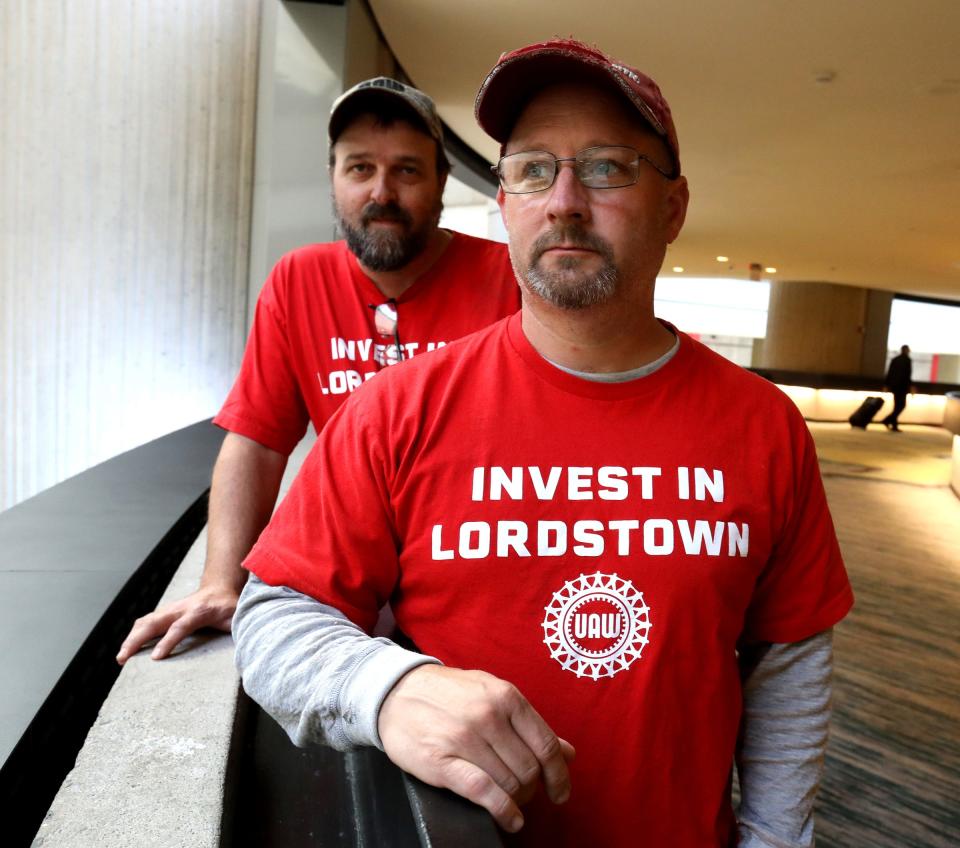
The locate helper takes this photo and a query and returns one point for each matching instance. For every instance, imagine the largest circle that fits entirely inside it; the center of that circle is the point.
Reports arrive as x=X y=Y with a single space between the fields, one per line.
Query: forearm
x=246 y=479
x=786 y=715
x=318 y=674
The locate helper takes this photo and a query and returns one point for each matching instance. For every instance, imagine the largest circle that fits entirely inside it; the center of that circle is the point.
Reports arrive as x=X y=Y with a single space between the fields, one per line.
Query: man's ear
x=332 y=159
x=501 y=197
x=502 y=203
x=677 y=200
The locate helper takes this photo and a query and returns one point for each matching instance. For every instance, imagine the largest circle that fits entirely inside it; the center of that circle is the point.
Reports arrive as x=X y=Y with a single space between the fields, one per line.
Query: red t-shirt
x=313 y=339
x=604 y=547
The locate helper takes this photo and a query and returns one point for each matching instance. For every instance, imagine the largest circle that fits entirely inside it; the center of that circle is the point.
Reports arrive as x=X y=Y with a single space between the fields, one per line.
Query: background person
x=331 y=316
x=567 y=503
x=899 y=381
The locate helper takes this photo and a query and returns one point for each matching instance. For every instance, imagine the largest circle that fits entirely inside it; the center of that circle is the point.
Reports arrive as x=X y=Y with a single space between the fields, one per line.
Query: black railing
x=317 y=797
x=79 y=563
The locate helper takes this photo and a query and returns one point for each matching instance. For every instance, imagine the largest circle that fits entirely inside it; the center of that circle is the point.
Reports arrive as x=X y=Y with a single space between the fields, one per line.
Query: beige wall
x=949 y=369
x=126 y=128
x=876 y=331
x=825 y=328
x=366 y=54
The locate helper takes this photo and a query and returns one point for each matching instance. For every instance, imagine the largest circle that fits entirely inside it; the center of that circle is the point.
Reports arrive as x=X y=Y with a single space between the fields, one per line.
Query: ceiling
x=819 y=137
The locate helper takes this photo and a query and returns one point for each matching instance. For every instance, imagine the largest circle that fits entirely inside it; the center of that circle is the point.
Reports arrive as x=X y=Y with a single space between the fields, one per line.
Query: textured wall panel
x=126 y=131
x=815 y=327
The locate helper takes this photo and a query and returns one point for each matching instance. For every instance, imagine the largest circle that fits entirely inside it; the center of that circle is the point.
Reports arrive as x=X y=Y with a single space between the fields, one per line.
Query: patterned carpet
x=917 y=455
x=893 y=768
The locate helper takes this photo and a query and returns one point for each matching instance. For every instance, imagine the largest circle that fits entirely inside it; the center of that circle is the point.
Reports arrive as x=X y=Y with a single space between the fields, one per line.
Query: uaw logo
x=597 y=625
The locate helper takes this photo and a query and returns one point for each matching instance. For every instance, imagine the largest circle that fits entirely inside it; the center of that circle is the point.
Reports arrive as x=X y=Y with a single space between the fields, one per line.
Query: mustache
x=384 y=212
x=570 y=235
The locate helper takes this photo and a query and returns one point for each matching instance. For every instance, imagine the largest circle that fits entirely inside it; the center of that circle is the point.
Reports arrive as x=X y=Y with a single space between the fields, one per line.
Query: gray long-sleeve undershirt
x=324 y=680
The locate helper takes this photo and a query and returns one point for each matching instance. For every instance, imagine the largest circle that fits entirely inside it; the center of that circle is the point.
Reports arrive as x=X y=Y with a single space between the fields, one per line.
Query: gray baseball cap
x=378 y=88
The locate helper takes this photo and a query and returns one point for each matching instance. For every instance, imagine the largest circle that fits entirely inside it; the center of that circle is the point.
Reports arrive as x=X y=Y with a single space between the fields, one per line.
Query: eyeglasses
x=595 y=167
x=385 y=319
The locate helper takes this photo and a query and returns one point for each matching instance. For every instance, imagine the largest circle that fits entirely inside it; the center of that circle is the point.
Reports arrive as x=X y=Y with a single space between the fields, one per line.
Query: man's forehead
x=398 y=140
x=369 y=125
x=562 y=108
x=358 y=151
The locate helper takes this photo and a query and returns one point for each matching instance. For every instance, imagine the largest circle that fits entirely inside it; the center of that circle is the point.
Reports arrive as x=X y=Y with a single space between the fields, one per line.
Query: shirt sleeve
x=334 y=536
x=803 y=589
x=265 y=403
x=786 y=714
x=320 y=676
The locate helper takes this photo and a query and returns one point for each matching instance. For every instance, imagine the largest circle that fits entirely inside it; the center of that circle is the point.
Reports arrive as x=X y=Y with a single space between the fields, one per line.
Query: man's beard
x=567 y=286
x=385 y=249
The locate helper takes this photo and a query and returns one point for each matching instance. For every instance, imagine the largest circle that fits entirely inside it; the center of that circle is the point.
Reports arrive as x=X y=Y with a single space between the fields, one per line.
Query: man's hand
x=207 y=607
x=475 y=734
x=246 y=479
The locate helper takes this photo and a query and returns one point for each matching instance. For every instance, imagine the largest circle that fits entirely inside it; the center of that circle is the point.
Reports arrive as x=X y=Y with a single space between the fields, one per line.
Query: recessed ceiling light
x=678 y=269
x=770 y=270
x=723 y=259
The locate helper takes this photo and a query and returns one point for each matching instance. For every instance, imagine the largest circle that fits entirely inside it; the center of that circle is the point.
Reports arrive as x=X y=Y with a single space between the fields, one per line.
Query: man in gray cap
x=331 y=316
x=591 y=546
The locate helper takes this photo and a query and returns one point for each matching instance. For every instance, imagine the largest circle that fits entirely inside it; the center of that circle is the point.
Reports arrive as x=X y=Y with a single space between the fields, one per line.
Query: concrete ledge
x=152 y=770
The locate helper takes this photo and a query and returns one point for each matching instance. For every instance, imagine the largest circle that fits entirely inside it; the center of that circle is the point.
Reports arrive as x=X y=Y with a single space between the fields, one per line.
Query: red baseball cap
x=520 y=73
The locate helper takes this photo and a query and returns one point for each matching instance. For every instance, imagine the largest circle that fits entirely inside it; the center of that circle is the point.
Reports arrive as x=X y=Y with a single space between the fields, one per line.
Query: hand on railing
x=477 y=735
x=211 y=606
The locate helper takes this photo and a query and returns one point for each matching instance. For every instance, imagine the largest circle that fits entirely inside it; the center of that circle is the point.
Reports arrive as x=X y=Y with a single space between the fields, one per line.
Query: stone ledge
x=151 y=772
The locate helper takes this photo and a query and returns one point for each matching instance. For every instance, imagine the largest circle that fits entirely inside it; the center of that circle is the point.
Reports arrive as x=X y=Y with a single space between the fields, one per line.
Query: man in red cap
x=642 y=576
x=331 y=316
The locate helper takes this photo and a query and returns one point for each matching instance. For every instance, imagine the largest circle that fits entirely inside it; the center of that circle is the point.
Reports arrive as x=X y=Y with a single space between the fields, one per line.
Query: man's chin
x=563 y=280
x=571 y=288
x=384 y=244
x=570 y=297
x=378 y=261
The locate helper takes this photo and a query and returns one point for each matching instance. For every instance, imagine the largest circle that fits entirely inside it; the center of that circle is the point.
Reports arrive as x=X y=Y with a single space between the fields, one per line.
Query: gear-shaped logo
x=596 y=625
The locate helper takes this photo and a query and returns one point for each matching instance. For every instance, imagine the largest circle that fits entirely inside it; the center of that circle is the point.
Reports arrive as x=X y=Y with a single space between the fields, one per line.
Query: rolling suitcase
x=865 y=412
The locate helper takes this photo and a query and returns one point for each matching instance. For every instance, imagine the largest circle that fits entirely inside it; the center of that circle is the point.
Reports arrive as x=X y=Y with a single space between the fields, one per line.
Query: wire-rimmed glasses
x=613 y=166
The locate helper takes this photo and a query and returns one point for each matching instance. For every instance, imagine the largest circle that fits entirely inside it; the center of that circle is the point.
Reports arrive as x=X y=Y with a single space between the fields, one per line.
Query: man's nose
x=382 y=190
x=569 y=198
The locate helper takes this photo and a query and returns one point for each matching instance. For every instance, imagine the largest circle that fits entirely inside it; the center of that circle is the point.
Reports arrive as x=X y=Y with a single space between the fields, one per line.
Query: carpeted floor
x=917 y=455
x=893 y=768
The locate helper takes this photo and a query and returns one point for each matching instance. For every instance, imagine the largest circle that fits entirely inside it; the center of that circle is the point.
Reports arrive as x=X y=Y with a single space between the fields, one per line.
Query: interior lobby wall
x=309 y=54
x=300 y=75
x=127 y=138
x=876 y=329
x=824 y=328
x=367 y=55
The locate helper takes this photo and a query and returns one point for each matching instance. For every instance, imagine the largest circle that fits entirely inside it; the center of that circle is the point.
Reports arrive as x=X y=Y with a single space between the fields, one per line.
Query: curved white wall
x=126 y=130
